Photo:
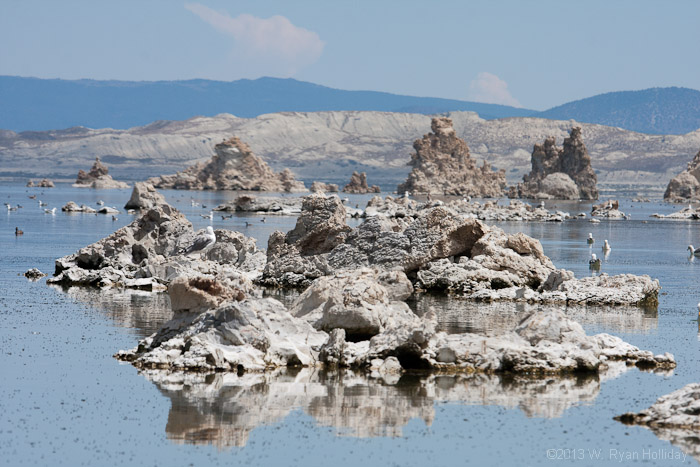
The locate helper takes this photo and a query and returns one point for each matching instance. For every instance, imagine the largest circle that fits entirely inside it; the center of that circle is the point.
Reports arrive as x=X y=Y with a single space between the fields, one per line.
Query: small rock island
x=686 y=185
x=98 y=177
x=234 y=166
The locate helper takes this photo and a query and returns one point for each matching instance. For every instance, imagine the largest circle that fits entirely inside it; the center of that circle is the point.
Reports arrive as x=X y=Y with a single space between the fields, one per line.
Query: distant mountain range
x=33 y=104
x=656 y=110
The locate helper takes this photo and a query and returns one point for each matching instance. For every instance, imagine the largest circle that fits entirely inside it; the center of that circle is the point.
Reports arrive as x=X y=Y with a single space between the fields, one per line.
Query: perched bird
x=50 y=211
x=345 y=200
x=594 y=262
x=406 y=194
x=590 y=240
x=115 y=218
x=202 y=242
x=606 y=246
x=209 y=216
x=542 y=204
x=100 y=203
x=693 y=251
x=18 y=232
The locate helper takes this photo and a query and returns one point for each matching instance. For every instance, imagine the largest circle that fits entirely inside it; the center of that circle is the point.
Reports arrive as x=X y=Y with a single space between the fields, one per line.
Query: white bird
x=100 y=203
x=50 y=211
x=193 y=203
x=406 y=194
x=542 y=204
x=590 y=240
x=42 y=204
x=594 y=262
x=202 y=242
x=345 y=200
x=693 y=251
x=209 y=216
x=606 y=246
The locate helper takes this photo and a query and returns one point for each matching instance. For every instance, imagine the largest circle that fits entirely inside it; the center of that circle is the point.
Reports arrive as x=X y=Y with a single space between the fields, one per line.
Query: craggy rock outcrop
x=201 y=293
x=559 y=173
x=233 y=167
x=98 y=177
x=609 y=209
x=442 y=251
x=263 y=204
x=322 y=187
x=72 y=206
x=43 y=183
x=442 y=165
x=357 y=302
x=144 y=196
x=148 y=253
x=688 y=213
x=674 y=417
x=358 y=185
x=686 y=185
x=252 y=335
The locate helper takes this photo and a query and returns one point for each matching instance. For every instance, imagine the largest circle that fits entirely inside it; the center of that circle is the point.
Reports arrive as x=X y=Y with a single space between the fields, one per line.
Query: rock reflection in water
x=458 y=316
x=143 y=311
x=223 y=408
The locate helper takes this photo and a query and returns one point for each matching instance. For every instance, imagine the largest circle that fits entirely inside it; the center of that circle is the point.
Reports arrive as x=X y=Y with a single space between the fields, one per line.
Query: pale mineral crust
x=442 y=165
x=233 y=167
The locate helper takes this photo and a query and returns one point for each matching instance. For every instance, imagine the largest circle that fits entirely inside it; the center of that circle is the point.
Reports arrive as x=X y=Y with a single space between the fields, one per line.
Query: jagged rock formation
x=148 y=254
x=233 y=167
x=144 y=196
x=98 y=177
x=43 y=183
x=442 y=165
x=609 y=209
x=559 y=173
x=358 y=185
x=441 y=251
x=72 y=206
x=323 y=187
x=686 y=185
x=263 y=204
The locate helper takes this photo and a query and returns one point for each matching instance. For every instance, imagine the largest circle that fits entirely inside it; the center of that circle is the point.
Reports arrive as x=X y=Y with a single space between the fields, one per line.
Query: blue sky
x=534 y=54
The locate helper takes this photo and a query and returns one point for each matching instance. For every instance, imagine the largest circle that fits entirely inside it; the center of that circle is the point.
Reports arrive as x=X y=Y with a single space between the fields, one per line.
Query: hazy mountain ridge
x=328 y=146
x=656 y=111
x=46 y=104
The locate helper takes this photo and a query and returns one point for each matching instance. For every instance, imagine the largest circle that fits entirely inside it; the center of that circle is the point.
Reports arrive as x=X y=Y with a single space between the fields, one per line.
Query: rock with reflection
x=43 y=183
x=149 y=253
x=609 y=209
x=544 y=342
x=253 y=335
x=674 y=417
x=322 y=187
x=222 y=409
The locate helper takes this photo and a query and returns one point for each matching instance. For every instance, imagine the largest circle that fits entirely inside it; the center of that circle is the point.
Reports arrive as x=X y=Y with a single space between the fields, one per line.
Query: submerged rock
x=358 y=185
x=686 y=185
x=43 y=183
x=263 y=204
x=233 y=167
x=442 y=165
x=98 y=177
x=34 y=274
x=144 y=196
x=559 y=173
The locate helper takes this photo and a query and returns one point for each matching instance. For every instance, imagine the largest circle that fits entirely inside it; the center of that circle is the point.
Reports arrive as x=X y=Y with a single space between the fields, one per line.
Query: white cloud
x=264 y=45
x=491 y=89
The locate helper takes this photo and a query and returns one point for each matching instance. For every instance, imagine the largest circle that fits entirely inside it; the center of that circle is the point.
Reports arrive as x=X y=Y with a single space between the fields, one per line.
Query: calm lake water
x=66 y=401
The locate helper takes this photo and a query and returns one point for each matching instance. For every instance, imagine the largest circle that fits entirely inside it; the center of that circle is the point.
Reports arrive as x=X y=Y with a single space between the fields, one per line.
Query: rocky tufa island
x=442 y=165
x=233 y=167
x=559 y=173
x=686 y=185
x=98 y=177
x=358 y=185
